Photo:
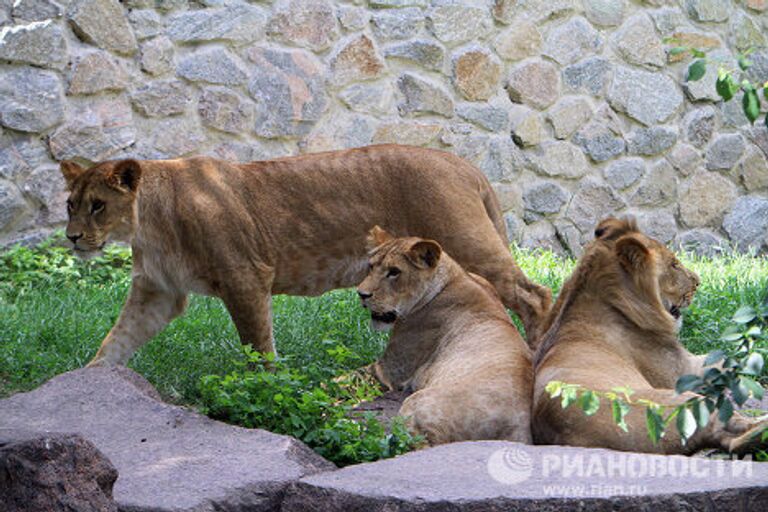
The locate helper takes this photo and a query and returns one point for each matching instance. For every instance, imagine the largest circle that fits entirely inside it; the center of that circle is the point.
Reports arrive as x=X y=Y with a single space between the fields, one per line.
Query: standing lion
x=243 y=232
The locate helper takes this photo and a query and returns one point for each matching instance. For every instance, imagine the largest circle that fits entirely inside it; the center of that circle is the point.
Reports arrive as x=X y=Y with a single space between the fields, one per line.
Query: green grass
x=49 y=325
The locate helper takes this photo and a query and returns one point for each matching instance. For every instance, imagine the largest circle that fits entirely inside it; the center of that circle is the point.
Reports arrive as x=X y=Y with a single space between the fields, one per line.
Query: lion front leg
x=146 y=312
x=251 y=310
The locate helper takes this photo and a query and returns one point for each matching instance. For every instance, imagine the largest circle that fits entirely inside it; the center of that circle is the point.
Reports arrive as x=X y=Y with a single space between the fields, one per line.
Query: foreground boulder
x=168 y=458
x=496 y=475
x=53 y=473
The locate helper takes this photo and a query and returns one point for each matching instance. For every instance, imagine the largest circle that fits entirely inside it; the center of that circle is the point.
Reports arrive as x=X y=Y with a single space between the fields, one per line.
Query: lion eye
x=393 y=272
x=97 y=206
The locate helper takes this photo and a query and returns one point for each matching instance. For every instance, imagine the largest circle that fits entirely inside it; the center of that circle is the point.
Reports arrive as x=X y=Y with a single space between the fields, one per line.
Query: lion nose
x=75 y=238
x=364 y=295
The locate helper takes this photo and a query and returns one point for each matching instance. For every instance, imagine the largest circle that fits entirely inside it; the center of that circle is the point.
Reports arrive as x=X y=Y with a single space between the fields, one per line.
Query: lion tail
x=493 y=209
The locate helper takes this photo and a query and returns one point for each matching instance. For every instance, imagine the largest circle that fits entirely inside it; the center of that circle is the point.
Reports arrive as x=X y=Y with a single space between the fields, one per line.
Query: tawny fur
x=297 y=225
x=612 y=327
x=452 y=345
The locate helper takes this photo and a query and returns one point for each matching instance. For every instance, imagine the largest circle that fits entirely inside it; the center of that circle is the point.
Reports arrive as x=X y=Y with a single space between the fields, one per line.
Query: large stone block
x=308 y=23
x=649 y=98
x=40 y=43
x=103 y=23
x=225 y=110
x=476 y=73
x=423 y=52
x=169 y=458
x=215 y=66
x=31 y=100
x=397 y=23
x=161 y=99
x=96 y=72
x=638 y=43
x=707 y=197
x=535 y=83
x=521 y=40
x=422 y=96
x=572 y=41
x=454 y=23
x=592 y=202
x=356 y=58
x=239 y=23
x=747 y=223
x=12 y=204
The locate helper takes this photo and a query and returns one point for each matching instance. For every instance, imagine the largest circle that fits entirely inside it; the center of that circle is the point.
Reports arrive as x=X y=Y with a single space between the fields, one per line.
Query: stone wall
x=573 y=108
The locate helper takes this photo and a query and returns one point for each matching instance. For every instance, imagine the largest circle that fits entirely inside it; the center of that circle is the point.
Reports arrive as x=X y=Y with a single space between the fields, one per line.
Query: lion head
x=402 y=274
x=636 y=275
x=101 y=203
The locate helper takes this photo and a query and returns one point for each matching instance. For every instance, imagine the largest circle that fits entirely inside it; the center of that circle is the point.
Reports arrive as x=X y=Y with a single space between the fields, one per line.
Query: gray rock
x=732 y=113
x=423 y=97
x=289 y=91
x=746 y=33
x=707 y=197
x=759 y=68
x=704 y=88
x=651 y=141
x=161 y=99
x=486 y=116
x=169 y=458
x=216 y=66
x=352 y=18
x=668 y=20
x=701 y=242
x=308 y=23
x=476 y=73
x=368 y=99
x=605 y=13
x=588 y=76
x=411 y=133
x=537 y=10
x=46 y=188
x=225 y=110
x=175 y=5
x=747 y=223
x=36 y=10
x=510 y=197
x=685 y=159
x=95 y=72
x=724 y=151
x=355 y=59
x=339 y=132
x=397 y=23
x=521 y=40
x=592 y=202
x=568 y=115
x=95 y=131
x=454 y=23
x=44 y=471
x=658 y=188
x=31 y=100
x=708 y=10
x=12 y=204
x=157 y=56
x=570 y=237
x=544 y=197
x=560 y=158
x=600 y=141
x=423 y=52
x=19 y=155
x=572 y=41
x=527 y=126
x=40 y=43
x=659 y=225
x=753 y=170
x=637 y=43
x=146 y=23
x=240 y=23
x=541 y=235
x=699 y=125
x=503 y=160
x=386 y=4
x=624 y=173
x=535 y=83
x=103 y=23
x=650 y=98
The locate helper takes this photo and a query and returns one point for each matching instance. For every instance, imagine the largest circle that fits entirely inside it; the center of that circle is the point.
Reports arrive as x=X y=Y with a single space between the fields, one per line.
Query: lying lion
x=615 y=324
x=292 y=225
x=452 y=344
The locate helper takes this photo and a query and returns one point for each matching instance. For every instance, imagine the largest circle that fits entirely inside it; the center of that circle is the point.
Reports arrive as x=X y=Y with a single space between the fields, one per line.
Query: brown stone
x=476 y=74
x=691 y=40
x=757 y=5
x=357 y=59
x=535 y=83
x=707 y=198
x=519 y=41
x=753 y=170
x=95 y=72
x=308 y=23
x=414 y=134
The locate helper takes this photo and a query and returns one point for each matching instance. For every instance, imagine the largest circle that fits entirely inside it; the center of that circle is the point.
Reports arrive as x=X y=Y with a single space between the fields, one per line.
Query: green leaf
x=732 y=333
x=751 y=104
x=619 y=410
x=569 y=395
x=726 y=411
x=744 y=63
x=725 y=86
x=701 y=413
x=744 y=314
x=696 y=70
x=686 y=423
x=589 y=402
x=714 y=357
x=554 y=388
x=687 y=383
x=654 y=424
x=677 y=50
x=755 y=388
x=698 y=53
x=754 y=364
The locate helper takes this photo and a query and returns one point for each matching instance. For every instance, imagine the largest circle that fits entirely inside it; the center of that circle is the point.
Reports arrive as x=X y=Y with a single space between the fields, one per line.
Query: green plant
x=304 y=404
x=738 y=377
x=729 y=80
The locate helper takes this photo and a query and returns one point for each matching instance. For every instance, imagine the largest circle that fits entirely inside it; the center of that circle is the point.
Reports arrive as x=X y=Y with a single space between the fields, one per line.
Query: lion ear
x=632 y=253
x=424 y=254
x=125 y=174
x=71 y=171
x=377 y=237
x=612 y=228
